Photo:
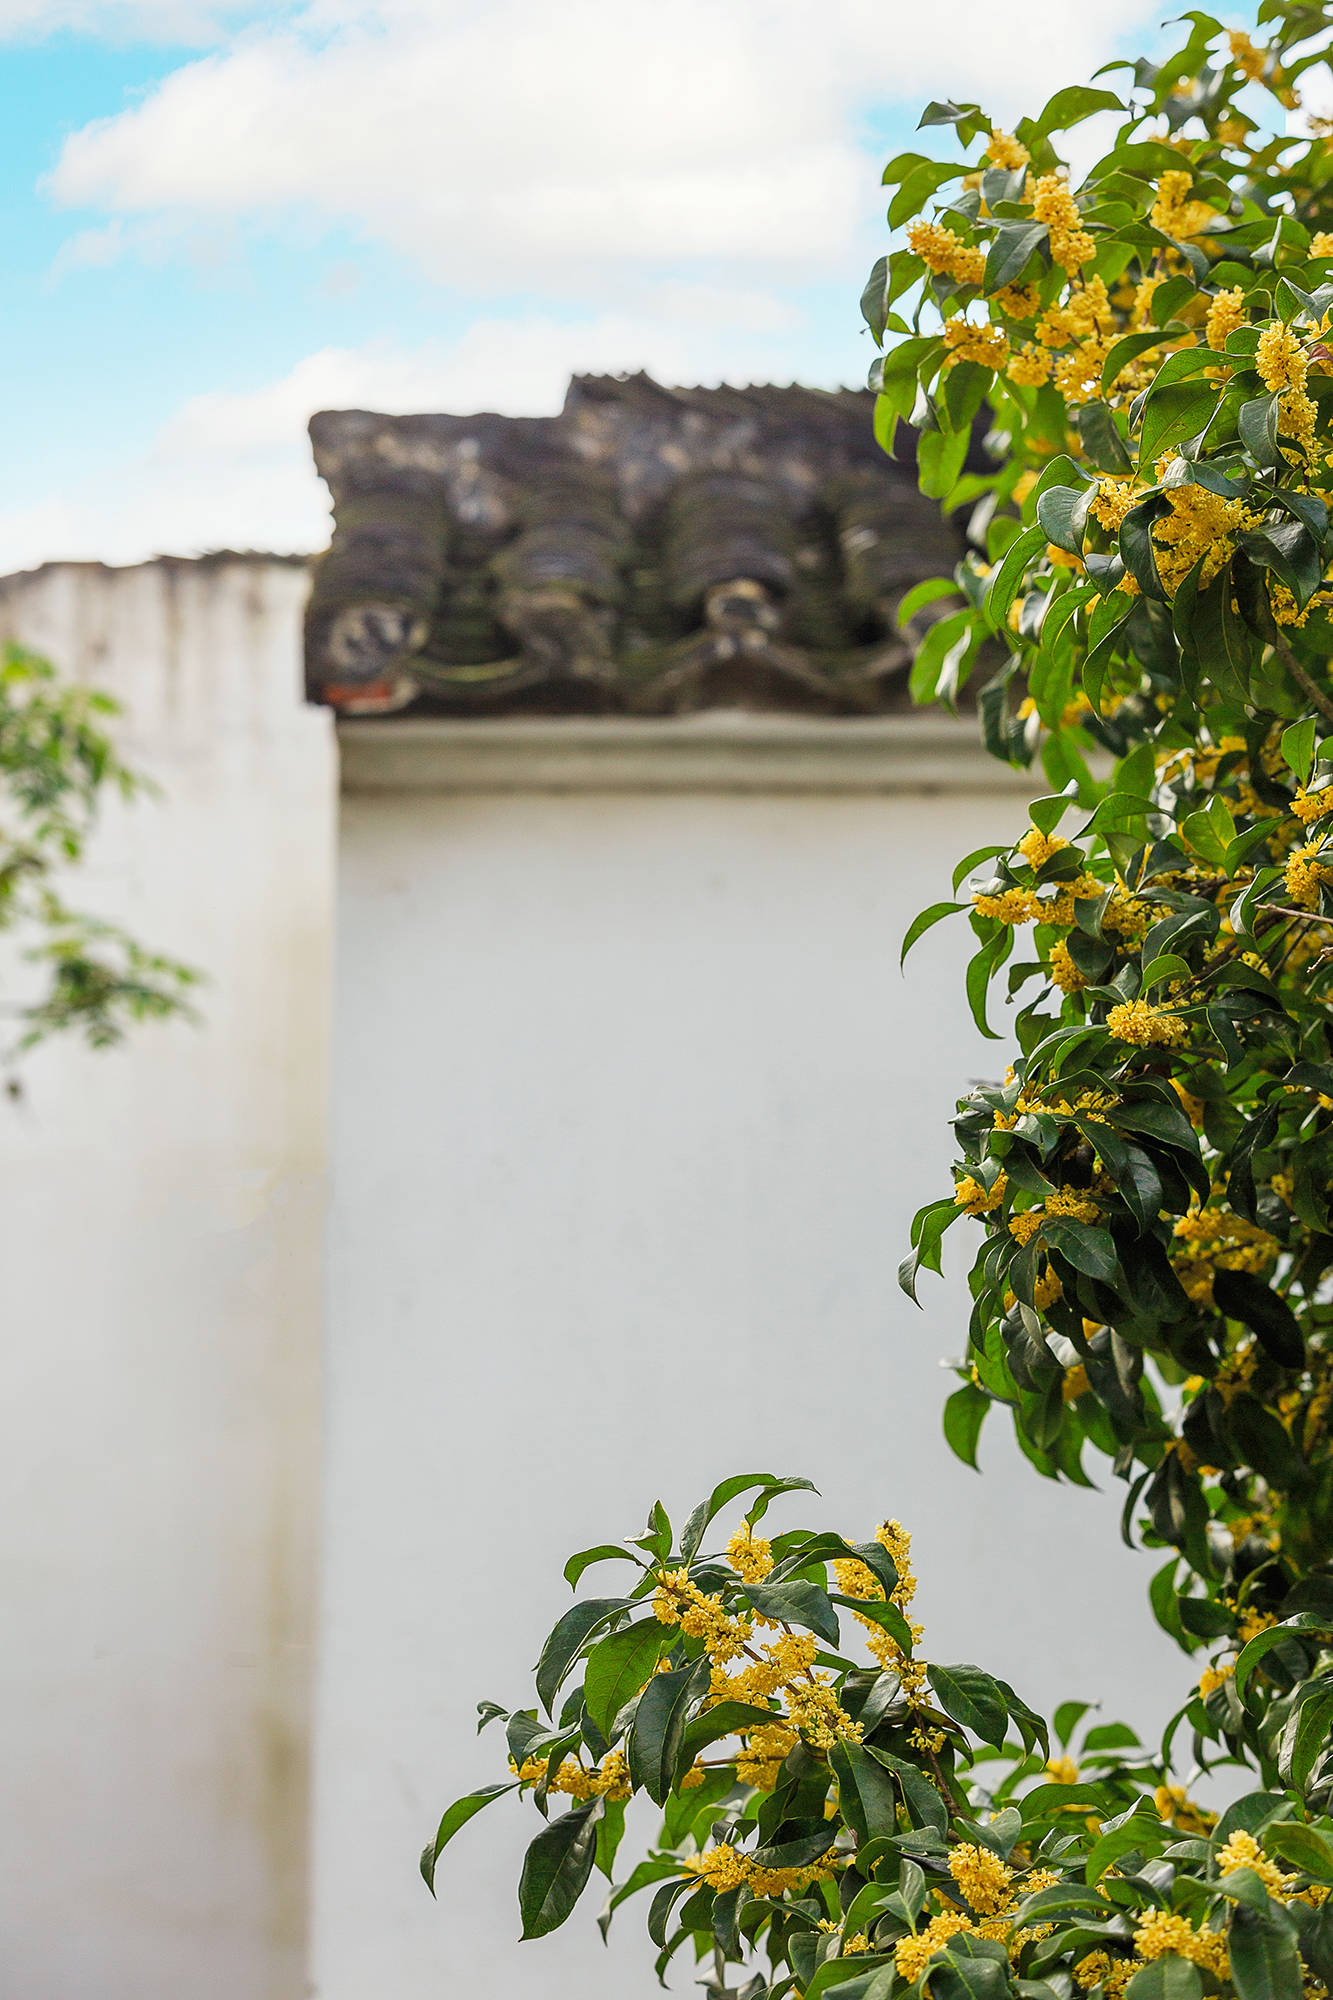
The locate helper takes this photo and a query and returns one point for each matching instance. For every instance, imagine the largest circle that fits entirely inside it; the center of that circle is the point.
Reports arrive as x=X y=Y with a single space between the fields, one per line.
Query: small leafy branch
x=56 y=761
x=890 y=1826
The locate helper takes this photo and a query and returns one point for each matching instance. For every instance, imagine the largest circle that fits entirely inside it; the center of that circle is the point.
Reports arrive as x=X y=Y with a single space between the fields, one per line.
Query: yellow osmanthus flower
x=1073 y=1203
x=912 y=1955
x=1173 y=212
x=1163 y=1931
x=1114 y=497
x=1225 y=315
x=1174 y=1806
x=1242 y=1850
x=1200 y=525
x=679 y=1601
x=609 y=1780
x=1011 y=906
x=946 y=254
x=1281 y=359
x=1072 y=245
x=1064 y=972
x=1061 y=1771
x=1305 y=875
x=1037 y=847
x=1016 y=301
x=988 y=346
x=1140 y=1022
x=750 y=1555
x=1321 y=243
x=1212 y=1678
x=724 y=1867
x=970 y=1195
x=1309 y=806
x=1030 y=368
x=1047 y=1290
x=983 y=1877
x=761 y=1760
x=1252 y=62
x=1003 y=150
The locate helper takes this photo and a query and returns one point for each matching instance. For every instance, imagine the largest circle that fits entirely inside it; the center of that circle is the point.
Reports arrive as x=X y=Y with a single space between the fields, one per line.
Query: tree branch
x=1301 y=678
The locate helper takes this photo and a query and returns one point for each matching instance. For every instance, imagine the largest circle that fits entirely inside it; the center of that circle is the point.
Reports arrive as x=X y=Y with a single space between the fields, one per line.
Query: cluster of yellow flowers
x=1003 y=150
x=1140 y=1022
x=678 y=1600
x=1306 y=874
x=986 y=345
x=1256 y=66
x=941 y=251
x=991 y=1890
x=1173 y=212
x=1212 y=1239
x=607 y=1780
x=856 y=1579
x=976 y=1199
x=1201 y=526
x=724 y=1867
x=1072 y=245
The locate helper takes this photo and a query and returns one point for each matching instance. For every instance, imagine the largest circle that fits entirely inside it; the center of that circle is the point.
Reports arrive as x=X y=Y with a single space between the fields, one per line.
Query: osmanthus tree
x=1147 y=356
x=57 y=762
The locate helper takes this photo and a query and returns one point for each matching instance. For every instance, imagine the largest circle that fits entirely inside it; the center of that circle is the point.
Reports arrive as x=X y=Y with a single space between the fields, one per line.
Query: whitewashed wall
x=632 y=1109
x=162 y=1218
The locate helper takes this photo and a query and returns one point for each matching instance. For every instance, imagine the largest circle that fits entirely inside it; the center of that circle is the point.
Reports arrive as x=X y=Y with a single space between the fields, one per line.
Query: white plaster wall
x=632 y=1108
x=162 y=1214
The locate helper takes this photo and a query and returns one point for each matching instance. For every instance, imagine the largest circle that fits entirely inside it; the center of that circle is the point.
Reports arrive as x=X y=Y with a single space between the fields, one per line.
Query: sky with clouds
x=222 y=217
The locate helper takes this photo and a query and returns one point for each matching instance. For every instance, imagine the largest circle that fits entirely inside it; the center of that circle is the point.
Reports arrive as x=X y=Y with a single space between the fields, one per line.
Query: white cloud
x=231 y=469
x=521 y=145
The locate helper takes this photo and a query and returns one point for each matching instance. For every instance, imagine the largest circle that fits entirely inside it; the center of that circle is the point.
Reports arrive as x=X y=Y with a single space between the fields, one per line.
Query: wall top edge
x=717 y=751
x=210 y=559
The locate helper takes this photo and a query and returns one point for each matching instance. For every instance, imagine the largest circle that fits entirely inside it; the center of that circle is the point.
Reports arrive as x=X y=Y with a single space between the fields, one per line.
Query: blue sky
x=220 y=217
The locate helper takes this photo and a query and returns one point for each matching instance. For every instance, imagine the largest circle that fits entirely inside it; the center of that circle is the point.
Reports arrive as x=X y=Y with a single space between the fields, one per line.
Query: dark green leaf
x=458 y=1815
x=567 y=1641
x=618 y=1666
x=1240 y=1295
x=964 y=1414
x=556 y=1868
x=921 y=924
x=796 y=1603
x=1012 y=249
x=604 y=1552
x=1168 y=1978
x=972 y=1698
x=658 y=1732
x=1265 y=1964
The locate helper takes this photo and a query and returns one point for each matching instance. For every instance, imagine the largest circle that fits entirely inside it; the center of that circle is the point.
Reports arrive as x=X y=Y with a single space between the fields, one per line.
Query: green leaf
x=1072 y=105
x=1305 y=1735
x=796 y=1603
x=658 y=1732
x=872 y=1807
x=1257 y=423
x=1298 y=747
x=1173 y=415
x=1003 y=586
x=964 y=1414
x=1063 y=514
x=1168 y=1978
x=1128 y=348
x=1291 y=552
x=618 y=1666
x=722 y=1495
x=1303 y=1846
x=604 y=1552
x=458 y=1815
x=922 y=923
x=972 y=1698
x=887 y=1616
x=556 y=1869
x=1265 y=1964
x=723 y=1720
x=1136 y=547
x=1263 y=1643
x=1014 y=245
x=567 y=1641
x=1240 y=1295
